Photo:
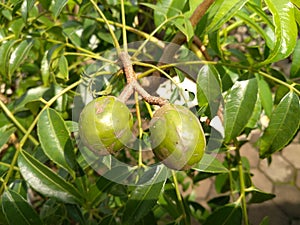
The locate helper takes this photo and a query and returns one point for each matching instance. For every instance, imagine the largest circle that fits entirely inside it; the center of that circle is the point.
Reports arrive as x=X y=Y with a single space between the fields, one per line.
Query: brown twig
x=179 y=38
x=132 y=83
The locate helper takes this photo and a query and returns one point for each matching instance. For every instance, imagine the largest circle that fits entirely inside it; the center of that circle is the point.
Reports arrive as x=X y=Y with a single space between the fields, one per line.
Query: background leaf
x=239 y=105
x=55 y=140
x=284 y=123
x=17 y=210
x=45 y=181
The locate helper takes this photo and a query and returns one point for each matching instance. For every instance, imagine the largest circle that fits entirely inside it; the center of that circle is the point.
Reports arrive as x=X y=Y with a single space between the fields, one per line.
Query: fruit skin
x=105 y=125
x=177 y=137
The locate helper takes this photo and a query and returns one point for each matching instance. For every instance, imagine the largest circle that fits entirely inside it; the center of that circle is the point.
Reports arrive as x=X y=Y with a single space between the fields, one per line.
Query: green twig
x=124 y=26
x=113 y=36
x=17 y=123
x=179 y=198
x=242 y=187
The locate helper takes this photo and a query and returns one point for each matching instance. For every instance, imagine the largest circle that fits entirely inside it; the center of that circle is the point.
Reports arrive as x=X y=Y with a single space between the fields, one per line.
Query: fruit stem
x=140 y=129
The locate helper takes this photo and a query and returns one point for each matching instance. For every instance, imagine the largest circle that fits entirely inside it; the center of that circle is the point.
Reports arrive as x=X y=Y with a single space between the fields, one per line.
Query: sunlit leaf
x=19 y=54
x=45 y=181
x=209 y=89
x=284 y=123
x=210 y=164
x=239 y=105
x=226 y=10
x=57 y=6
x=285 y=29
x=55 y=139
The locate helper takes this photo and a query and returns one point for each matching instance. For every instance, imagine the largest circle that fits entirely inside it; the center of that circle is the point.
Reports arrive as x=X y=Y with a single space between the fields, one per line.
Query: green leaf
x=285 y=29
x=63 y=68
x=265 y=95
x=226 y=10
x=108 y=220
x=26 y=7
x=256 y=26
x=45 y=69
x=144 y=197
x=210 y=164
x=31 y=95
x=17 y=210
x=295 y=67
x=167 y=9
x=5 y=133
x=253 y=121
x=258 y=196
x=185 y=26
x=55 y=140
x=45 y=181
x=265 y=221
x=57 y=6
x=283 y=125
x=5 y=52
x=19 y=55
x=239 y=106
x=209 y=89
x=227 y=215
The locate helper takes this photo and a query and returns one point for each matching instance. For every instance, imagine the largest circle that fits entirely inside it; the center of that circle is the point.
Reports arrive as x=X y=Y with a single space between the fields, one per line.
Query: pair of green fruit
x=177 y=138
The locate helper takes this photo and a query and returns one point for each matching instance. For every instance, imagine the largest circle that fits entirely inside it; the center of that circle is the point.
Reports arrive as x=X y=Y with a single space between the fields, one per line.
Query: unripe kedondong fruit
x=105 y=125
x=177 y=137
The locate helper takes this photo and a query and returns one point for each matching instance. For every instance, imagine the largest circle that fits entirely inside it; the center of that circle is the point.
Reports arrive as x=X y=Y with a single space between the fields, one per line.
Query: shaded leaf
x=144 y=197
x=226 y=215
x=258 y=196
x=284 y=123
x=17 y=210
x=239 y=106
x=265 y=221
x=45 y=181
x=55 y=140
x=5 y=133
x=285 y=29
x=209 y=164
x=295 y=67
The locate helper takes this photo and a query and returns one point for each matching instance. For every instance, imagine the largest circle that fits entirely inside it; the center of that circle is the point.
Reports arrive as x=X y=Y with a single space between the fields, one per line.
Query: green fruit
x=177 y=137
x=105 y=125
